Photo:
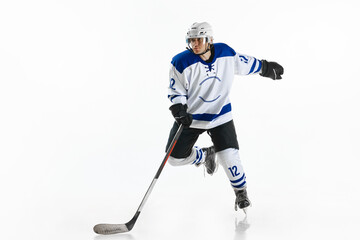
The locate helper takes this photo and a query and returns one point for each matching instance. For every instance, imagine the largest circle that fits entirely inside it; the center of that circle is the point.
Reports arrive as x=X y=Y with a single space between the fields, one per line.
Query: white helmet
x=200 y=30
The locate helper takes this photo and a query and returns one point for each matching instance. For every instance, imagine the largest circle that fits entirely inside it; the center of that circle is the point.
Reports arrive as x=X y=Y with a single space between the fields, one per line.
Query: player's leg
x=227 y=150
x=230 y=160
x=185 y=152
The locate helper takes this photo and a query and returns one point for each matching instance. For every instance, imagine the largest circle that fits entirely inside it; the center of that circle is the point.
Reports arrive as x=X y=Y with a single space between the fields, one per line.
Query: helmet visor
x=196 y=41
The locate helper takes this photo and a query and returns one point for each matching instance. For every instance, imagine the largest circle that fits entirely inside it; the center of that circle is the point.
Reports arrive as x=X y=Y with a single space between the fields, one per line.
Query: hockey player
x=200 y=83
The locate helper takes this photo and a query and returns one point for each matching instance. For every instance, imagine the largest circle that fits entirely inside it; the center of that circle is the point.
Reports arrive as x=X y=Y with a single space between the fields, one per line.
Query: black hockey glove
x=180 y=114
x=272 y=70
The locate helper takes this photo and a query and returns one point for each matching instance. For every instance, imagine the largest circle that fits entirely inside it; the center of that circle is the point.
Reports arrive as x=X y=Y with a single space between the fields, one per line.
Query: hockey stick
x=106 y=228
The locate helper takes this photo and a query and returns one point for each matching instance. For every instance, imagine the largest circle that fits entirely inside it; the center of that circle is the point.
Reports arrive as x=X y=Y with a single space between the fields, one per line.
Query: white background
x=84 y=120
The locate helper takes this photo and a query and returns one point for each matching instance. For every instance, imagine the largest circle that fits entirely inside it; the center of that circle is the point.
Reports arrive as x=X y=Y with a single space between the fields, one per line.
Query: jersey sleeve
x=246 y=65
x=177 y=90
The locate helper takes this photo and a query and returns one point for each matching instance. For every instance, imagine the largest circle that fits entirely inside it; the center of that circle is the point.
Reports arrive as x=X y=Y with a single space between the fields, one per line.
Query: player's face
x=198 y=45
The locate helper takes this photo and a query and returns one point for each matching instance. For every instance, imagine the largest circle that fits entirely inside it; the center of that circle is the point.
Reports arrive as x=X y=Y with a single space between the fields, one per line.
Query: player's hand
x=272 y=70
x=181 y=115
x=185 y=120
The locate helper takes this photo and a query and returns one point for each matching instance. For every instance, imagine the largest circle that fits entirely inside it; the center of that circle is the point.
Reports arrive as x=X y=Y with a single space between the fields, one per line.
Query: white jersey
x=205 y=87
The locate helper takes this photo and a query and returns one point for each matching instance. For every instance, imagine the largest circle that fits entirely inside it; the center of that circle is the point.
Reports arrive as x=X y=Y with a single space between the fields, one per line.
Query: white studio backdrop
x=84 y=120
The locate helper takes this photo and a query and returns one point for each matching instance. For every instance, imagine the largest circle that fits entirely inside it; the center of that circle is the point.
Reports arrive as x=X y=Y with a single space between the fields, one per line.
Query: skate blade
x=245 y=210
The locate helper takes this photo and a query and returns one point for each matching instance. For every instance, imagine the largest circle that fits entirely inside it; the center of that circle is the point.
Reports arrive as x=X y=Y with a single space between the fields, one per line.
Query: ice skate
x=210 y=162
x=242 y=201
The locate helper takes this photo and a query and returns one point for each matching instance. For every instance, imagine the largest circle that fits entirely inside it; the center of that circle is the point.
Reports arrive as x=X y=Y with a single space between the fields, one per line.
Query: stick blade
x=107 y=229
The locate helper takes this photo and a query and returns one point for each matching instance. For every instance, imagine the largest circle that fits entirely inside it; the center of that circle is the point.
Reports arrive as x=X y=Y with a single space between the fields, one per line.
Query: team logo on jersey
x=243 y=59
x=207 y=84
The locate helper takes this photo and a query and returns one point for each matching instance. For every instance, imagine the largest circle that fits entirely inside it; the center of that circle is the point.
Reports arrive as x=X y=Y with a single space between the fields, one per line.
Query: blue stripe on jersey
x=187 y=58
x=209 y=117
x=253 y=66
x=260 y=65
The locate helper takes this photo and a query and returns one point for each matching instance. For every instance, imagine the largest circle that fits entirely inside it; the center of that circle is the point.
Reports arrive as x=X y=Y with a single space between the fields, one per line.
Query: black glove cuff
x=176 y=109
x=264 y=68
